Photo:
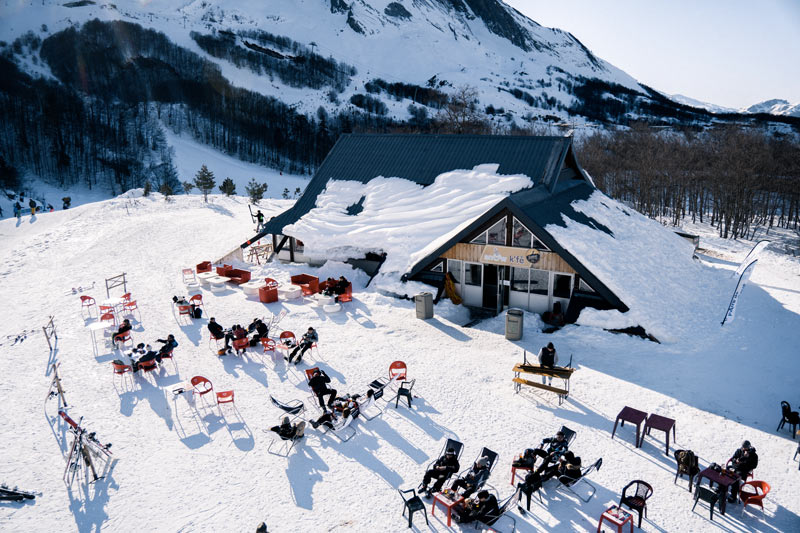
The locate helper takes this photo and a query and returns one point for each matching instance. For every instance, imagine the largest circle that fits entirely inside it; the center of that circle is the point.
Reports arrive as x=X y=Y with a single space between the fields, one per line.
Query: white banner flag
x=739 y=288
x=753 y=255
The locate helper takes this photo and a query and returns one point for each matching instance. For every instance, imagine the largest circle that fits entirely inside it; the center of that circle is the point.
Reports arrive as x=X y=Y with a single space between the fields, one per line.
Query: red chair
x=169 y=356
x=310 y=373
x=109 y=317
x=106 y=309
x=88 y=302
x=348 y=294
x=269 y=292
x=184 y=310
x=201 y=385
x=122 y=370
x=148 y=366
x=753 y=497
x=286 y=337
x=197 y=300
x=241 y=344
x=130 y=307
x=205 y=266
x=123 y=338
x=269 y=345
x=398 y=368
x=126 y=297
x=225 y=396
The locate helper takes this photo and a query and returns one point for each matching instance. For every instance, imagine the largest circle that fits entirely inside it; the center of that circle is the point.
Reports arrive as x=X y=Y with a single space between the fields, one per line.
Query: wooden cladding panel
x=472 y=253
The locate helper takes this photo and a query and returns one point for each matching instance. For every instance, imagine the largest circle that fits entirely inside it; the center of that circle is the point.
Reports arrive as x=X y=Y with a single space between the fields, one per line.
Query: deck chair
x=457 y=446
x=369 y=409
x=569 y=485
x=342 y=432
x=382 y=383
x=569 y=435
x=295 y=408
x=505 y=506
x=485 y=452
x=284 y=446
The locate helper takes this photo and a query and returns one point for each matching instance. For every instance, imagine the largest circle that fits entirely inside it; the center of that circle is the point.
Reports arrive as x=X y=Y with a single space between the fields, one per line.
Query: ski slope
x=207 y=469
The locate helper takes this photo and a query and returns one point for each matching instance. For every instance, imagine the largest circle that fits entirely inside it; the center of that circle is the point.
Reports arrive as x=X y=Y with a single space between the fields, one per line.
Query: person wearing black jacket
x=308 y=339
x=567 y=470
x=289 y=431
x=442 y=469
x=556 y=446
x=744 y=461
x=319 y=386
x=474 y=479
x=218 y=332
x=483 y=510
x=123 y=328
x=149 y=355
x=169 y=344
x=259 y=331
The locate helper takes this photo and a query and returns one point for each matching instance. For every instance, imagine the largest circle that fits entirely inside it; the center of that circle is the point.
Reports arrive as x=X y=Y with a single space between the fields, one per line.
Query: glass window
x=519 y=279
x=522 y=237
x=480 y=239
x=438 y=268
x=540 y=281
x=583 y=286
x=561 y=286
x=472 y=273
x=497 y=233
x=454 y=268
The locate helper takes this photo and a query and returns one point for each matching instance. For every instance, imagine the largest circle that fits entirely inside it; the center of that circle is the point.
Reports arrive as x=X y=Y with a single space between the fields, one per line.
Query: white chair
x=189 y=278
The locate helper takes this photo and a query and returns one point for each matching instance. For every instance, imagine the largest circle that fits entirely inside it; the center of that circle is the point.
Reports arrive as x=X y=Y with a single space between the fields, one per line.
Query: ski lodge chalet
x=504 y=257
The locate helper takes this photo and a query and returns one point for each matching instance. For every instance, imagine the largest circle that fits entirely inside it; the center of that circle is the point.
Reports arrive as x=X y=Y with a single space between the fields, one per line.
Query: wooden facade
x=472 y=253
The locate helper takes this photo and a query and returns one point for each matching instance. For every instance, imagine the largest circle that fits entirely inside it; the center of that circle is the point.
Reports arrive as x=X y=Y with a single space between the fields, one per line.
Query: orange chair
x=109 y=317
x=130 y=307
x=88 y=302
x=184 y=310
x=148 y=366
x=241 y=344
x=225 y=396
x=398 y=368
x=348 y=294
x=753 y=497
x=121 y=370
x=287 y=337
x=197 y=300
x=169 y=356
x=126 y=297
x=106 y=309
x=205 y=266
x=310 y=373
x=201 y=385
x=123 y=338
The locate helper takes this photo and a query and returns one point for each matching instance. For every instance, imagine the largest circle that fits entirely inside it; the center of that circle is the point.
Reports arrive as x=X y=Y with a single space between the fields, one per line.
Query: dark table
x=634 y=416
x=723 y=479
x=661 y=423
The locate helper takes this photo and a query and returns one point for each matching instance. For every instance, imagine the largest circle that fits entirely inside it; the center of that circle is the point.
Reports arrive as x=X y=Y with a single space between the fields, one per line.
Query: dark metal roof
x=420 y=158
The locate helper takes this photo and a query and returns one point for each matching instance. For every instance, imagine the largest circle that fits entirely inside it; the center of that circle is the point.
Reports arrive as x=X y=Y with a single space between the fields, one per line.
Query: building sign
x=508 y=256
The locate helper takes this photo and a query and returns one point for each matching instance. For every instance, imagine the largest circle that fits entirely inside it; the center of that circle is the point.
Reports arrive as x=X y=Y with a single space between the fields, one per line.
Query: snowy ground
x=184 y=470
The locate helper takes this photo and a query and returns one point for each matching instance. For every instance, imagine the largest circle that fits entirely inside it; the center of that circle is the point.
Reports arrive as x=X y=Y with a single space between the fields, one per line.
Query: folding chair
x=507 y=504
x=286 y=445
x=563 y=483
x=287 y=341
x=371 y=405
x=489 y=454
x=296 y=408
x=569 y=435
x=189 y=278
x=457 y=447
x=341 y=432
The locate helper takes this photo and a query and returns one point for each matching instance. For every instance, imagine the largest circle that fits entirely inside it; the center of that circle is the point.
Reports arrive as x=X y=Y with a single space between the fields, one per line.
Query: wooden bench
x=564 y=373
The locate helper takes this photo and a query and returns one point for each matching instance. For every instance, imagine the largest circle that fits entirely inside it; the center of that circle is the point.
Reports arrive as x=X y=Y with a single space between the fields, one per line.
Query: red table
x=514 y=471
x=617 y=517
x=447 y=503
x=723 y=479
x=634 y=416
x=661 y=423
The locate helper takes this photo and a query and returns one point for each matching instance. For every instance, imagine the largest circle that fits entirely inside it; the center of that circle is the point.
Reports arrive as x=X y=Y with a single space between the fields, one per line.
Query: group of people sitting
x=254 y=333
x=557 y=461
x=288 y=431
x=143 y=353
x=336 y=287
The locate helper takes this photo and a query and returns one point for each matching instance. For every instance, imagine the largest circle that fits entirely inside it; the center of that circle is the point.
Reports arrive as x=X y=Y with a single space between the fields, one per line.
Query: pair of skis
x=15 y=495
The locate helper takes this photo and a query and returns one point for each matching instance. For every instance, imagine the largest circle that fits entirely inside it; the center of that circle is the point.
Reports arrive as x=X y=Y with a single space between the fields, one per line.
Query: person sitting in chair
x=123 y=328
x=526 y=460
x=442 y=469
x=259 y=331
x=332 y=420
x=556 y=447
x=341 y=286
x=149 y=355
x=289 y=431
x=548 y=358
x=474 y=479
x=169 y=344
x=319 y=386
x=743 y=461
x=309 y=338
x=218 y=332
x=330 y=287
x=483 y=509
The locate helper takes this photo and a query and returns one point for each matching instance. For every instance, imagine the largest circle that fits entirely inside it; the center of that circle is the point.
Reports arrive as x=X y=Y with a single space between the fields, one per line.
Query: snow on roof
x=399 y=217
x=648 y=267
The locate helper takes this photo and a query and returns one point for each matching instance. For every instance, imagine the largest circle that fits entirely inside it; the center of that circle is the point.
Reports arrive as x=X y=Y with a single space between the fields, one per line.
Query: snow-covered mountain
x=713 y=108
x=775 y=107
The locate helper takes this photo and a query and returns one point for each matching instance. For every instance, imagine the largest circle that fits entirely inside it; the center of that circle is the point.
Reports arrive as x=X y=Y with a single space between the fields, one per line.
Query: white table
x=290 y=292
x=205 y=276
x=323 y=300
x=332 y=308
x=218 y=283
x=116 y=303
x=94 y=327
x=251 y=287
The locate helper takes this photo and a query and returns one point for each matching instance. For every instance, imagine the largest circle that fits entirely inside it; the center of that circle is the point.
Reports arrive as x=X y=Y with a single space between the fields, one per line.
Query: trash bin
x=424 y=303
x=514 y=324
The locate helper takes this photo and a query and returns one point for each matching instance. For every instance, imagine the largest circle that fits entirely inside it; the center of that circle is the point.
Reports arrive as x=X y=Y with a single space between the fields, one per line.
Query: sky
x=733 y=53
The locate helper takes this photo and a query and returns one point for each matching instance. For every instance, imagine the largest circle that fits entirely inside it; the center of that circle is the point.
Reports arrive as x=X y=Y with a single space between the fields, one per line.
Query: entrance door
x=490 y=287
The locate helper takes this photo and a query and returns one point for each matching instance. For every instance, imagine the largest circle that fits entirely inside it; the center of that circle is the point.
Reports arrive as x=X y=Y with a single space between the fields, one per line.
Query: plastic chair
x=638 y=500
x=126 y=297
x=109 y=317
x=405 y=391
x=707 y=495
x=122 y=370
x=225 y=396
x=241 y=344
x=412 y=505
x=753 y=497
x=197 y=300
x=269 y=345
x=189 y=277
x=88 y=302
x=123 y=338
x=148 y=366
x=130 y=307
x=687 y=466
x=399 y=369
x=789 y=417
x=184 y=310
x=201 y=386
x=284 y=337
x=169 y=356
x=106 y=310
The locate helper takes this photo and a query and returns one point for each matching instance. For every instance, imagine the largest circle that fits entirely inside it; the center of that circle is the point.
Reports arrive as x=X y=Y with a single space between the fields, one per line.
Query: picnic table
x=634 y=416
x=563 y=373
x=724 y=479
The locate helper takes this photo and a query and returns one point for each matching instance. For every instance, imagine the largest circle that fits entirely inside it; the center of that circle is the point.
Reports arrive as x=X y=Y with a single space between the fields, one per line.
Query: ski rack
x=116 y=281
x=50 y=332
x=86 y=455
x=56 y=389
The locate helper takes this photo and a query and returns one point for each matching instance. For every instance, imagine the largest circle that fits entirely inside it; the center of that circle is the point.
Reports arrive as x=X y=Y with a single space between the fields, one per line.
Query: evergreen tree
x=255 y=190
x=204 y=180
x=228 y=188
x=285 y=194
x=166 y=190
x=147 y=188
x=188 y=186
